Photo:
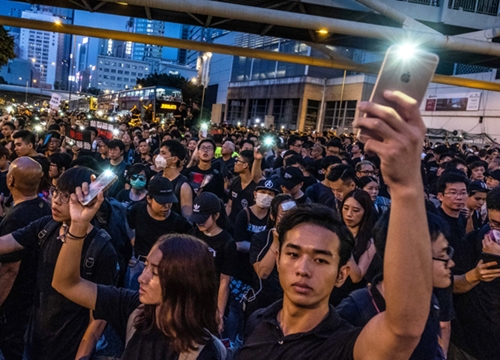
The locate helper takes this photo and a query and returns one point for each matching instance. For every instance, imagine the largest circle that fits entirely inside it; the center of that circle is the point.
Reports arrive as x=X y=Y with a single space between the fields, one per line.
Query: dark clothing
x=223 y=248
x=213 y=177
x=246 y=225
x=124 y=198
x=271 y=289
x=456 y=229
x=57 y=325
x=226 y=167
x=4 y=190
x=477 y=219
x=332 y=338
x=476 y=327
x=320 y=194
x=308 y=181
x=148 y=230
x=116 y=305
x=241 y=198
x=16 y=308
x=120 y=171
x=303 y=200
x=362 y=305
x=177 y=185
x=318 y=171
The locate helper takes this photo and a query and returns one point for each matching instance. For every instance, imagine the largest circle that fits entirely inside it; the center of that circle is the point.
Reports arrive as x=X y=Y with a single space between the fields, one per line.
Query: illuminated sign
x=168 y=106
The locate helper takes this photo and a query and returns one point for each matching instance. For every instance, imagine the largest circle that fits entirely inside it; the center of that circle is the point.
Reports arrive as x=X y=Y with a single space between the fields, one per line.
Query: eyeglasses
x=449 y=251
x=137 y=176
x=63 y=196
x=206 y=148
x=453 y=194
x=367 y=172
x=241 y=161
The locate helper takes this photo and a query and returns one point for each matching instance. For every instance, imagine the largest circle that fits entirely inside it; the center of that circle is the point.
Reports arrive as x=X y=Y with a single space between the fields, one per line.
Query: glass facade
x=235 y=111
x=312 y=114
x=339 y=115
x=257 y=109
x=286 y=113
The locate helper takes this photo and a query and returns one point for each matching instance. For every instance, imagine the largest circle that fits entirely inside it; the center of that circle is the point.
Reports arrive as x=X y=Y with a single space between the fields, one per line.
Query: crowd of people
x=248 y=243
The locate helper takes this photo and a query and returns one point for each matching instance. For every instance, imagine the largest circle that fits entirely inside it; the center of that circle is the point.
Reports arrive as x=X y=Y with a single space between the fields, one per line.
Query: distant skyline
x=113 y=22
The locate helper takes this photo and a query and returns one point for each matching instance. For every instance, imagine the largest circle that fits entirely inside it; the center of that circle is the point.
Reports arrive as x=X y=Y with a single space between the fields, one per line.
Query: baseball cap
x=268 y=185
x=160 y=189
x=477 y=186
x=291 y=177
x=204 y=205
x=495 y=174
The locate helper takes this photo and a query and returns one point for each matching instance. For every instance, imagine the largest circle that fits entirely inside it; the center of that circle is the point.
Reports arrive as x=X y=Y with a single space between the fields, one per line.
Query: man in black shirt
x=117 y=165
x=226 y=161
x=291 y=181
x=57 y=326
x=18 y=274
x=475 y=332
x=203 y=177
x=154 y=218
x=321 y=193
x=314 y=248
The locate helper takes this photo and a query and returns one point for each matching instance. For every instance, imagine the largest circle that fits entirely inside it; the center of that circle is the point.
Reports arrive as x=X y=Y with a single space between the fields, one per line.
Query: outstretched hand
x=80 y=213
x=396 y=135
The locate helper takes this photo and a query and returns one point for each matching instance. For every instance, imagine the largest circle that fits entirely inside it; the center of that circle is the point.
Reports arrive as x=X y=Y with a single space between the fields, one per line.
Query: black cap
x=477 y=186
x=291 y=177
x=204 y=205
x=268 y=185
x=495 y=174
x=160 y=189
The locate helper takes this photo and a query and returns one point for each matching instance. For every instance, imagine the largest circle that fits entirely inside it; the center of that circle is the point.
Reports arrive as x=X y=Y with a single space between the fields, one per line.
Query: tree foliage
x=6 y=47
x=189 y=90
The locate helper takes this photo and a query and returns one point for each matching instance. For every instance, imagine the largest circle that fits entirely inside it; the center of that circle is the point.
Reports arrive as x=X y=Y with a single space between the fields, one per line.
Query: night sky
x=112 y=22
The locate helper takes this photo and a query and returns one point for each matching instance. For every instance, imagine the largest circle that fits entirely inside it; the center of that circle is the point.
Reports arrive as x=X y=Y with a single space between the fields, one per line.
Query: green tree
x=6 y=47
x=2 y=80
x=189 y=90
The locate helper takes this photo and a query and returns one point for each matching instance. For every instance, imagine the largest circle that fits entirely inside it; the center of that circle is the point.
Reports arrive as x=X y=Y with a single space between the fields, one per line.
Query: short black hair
x=450 y=177
x=493 y=199
x=92 y=129
x=455 y=162
x=10 y=124
x=116 y=143
x=74 y=177
x=479 y=163
x=330 y=160
x=206 y=140
x=4 y=152
x=295 y=159
x=176 y=149
x=61 y=160
x=343 y=172
x=334 y=143
x=137 y=169
x=322 y=216
x=292 y=140
x=248 y=141
x=86 y=161
x=248 y=156
x=26 y=136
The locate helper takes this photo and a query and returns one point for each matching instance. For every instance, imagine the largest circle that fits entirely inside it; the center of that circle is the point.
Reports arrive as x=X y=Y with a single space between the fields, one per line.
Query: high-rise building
x=41 y=47
x=182 y=54
x=83 y=54
x=115 y=74
x=142 y=52
x=115 y=48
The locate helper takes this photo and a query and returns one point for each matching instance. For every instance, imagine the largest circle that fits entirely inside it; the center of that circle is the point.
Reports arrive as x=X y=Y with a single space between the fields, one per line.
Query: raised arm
x=67 y=279
x=257 y=165
x=395 y=333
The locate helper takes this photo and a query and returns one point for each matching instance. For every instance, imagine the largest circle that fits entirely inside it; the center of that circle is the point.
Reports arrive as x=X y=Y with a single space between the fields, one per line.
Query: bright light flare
x=116 y=132
x=407 y=51
x=38 y=128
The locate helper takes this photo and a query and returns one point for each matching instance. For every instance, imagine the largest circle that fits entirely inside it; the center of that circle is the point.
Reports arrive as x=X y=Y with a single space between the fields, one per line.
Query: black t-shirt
x=124 y=197
x=241 y=198
x=177 y=185
x=271 y=288
x=320 y=194
x=215 y=185
x=223 y=248
x=318 y=171
x=148 y=230
x=57 y=325
x=308 y=181
x=20 y=297
x=363 y=304
x=226 y=167
x=115 y=305
x=477 y=322
x=246 y=225
x=332 y=338
x=120 y=171
x=4 y=190
x=456 y=229
x=303 y=200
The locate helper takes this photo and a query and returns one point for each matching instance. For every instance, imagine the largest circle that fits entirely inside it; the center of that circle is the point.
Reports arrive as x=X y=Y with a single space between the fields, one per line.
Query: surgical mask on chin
x=263 y=200
x=160 y=162
x=138 y=184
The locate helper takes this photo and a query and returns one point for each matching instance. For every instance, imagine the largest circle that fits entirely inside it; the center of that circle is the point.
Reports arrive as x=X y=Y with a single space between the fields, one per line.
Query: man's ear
x=10 y=181
x=440 y=196
x=342 y=275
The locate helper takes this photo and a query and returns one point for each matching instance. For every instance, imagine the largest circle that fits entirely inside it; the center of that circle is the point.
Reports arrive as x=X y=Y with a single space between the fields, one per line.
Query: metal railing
x=423 y=2
x=487 y=7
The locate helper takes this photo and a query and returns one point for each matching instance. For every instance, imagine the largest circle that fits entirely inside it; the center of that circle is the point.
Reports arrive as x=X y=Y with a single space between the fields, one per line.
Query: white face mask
x=263 y=200
x=160 y=162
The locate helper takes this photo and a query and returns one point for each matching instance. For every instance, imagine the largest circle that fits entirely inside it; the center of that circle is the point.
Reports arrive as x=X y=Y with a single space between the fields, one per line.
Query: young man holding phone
x=315 y=247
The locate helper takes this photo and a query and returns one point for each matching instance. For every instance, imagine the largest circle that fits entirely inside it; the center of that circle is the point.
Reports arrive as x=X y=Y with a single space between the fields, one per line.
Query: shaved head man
x=18 y=269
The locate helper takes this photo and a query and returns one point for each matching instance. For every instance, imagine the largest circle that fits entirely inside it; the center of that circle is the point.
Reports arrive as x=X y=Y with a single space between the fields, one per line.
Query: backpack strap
x=48 y=229
x=248 y=215
x=92 y=254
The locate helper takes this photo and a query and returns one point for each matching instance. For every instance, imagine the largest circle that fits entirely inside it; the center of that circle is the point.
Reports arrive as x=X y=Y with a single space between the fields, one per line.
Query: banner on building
x=453 y=102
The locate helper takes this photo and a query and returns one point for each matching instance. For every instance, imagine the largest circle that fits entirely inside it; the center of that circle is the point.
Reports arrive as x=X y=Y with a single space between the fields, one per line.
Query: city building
x=142 y=52
x=41 y=47
x=115 y=74
x=115 y=48
x=20 y=72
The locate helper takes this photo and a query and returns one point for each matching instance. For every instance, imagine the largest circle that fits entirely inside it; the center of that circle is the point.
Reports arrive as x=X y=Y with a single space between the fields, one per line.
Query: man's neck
x=294 y=319
x=226 y=157
x=19 y=198
x=33 y=153
x=298 y=195
x=117 y=161
x=246 y=177
x=450 y=212
x=156 y=216
x=205 y=165
x=171 y=173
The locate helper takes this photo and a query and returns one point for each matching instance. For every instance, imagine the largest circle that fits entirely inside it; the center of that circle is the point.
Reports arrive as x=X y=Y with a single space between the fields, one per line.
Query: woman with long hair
x=173 y=314
x=357 y=215
x=371 y=185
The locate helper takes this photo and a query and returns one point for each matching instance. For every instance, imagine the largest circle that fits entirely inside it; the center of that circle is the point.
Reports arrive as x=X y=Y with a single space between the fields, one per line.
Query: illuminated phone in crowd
x=102 y=183
x=405 y=69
